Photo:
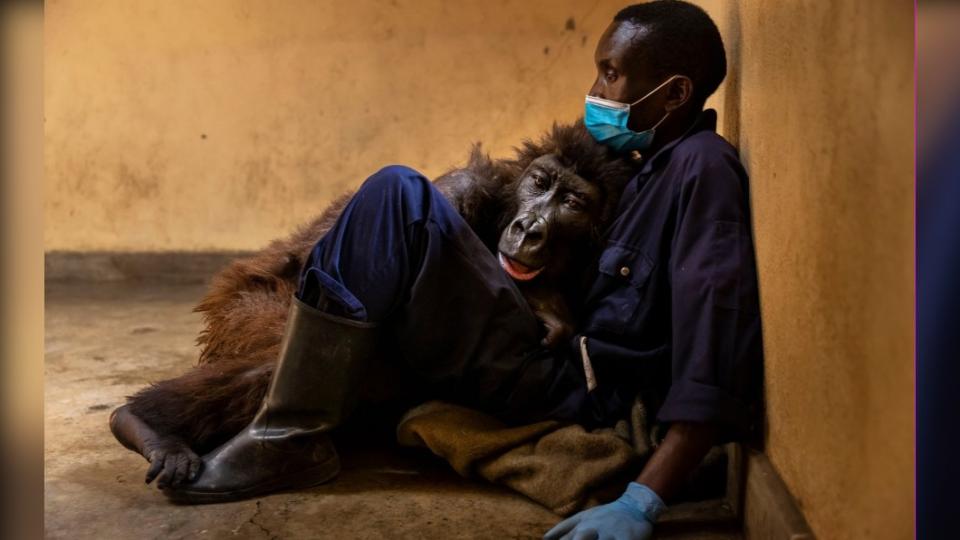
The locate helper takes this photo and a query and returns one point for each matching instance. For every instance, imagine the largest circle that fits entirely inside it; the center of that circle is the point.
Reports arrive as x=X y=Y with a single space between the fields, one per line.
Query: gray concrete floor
x=106 y=340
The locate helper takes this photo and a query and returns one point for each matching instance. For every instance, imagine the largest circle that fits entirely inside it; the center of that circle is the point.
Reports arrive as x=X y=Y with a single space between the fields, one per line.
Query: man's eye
x=611 y=76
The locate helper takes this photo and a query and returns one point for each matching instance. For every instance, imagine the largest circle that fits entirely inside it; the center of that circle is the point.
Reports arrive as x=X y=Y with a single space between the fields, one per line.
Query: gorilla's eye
x=575 y=203
x=540 y=181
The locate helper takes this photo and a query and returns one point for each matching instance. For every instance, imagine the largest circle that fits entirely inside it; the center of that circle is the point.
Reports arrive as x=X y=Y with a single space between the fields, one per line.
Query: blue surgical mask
x=607 y=120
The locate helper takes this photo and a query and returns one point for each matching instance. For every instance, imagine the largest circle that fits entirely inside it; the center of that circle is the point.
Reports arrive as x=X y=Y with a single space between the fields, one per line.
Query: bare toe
x=169 y=468
x=183 y=467
x=196 y=464
x=156 y=465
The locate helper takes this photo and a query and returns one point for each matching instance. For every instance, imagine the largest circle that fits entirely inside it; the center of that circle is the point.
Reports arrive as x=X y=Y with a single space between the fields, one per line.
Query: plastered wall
x=823 y=93
x=184 y=125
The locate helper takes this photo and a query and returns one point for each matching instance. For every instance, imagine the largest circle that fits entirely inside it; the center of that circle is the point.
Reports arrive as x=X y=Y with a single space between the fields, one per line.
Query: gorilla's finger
x=156 y=465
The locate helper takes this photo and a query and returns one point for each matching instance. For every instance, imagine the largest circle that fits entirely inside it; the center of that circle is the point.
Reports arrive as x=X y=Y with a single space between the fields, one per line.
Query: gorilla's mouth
x=517 y=270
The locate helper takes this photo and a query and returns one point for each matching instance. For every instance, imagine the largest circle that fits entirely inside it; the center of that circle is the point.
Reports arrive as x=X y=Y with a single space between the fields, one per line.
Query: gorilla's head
x=565 y=188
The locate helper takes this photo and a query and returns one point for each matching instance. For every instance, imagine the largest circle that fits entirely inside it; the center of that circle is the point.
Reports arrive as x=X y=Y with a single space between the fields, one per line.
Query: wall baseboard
x=769 y=510
x=166 y=266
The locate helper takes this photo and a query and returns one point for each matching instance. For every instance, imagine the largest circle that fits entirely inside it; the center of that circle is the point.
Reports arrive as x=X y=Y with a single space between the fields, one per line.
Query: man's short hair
x=680 y=39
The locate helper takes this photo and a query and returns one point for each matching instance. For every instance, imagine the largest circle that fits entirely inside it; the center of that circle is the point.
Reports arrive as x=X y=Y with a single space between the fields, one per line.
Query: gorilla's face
x=557 y=213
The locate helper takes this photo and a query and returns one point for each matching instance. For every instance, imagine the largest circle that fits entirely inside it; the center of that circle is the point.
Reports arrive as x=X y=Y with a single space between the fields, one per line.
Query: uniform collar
x=706 y=120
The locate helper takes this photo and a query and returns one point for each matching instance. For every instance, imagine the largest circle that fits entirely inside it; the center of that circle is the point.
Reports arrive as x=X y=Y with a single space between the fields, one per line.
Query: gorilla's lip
x=517 y=270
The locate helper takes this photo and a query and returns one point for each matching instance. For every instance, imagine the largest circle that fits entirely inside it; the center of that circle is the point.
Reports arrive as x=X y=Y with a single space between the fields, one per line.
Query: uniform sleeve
x=716 y=342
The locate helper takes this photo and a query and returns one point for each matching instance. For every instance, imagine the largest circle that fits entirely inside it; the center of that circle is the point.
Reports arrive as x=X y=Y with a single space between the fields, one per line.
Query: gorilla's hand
x=551 y=308
x=558 y=330
x=171 y=461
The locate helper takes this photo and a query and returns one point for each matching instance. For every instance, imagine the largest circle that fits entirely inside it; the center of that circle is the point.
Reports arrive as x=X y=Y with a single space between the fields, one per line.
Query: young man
x=683 y=241
x=673 y=305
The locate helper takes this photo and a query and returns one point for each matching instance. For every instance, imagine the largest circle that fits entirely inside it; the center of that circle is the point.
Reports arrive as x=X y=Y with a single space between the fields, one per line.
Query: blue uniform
x=672 y=310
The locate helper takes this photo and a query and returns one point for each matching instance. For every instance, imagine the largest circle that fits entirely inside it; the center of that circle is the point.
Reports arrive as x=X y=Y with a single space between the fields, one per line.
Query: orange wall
x=824 y=95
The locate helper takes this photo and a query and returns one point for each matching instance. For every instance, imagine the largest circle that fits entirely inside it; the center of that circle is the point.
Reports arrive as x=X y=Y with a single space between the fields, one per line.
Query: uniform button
x=624 y=271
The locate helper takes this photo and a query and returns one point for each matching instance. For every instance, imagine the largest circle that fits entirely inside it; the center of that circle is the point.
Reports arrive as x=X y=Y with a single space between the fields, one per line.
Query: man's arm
x=672 y=462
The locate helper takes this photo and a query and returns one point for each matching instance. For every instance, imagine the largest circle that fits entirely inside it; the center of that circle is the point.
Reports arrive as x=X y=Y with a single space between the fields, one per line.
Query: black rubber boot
x=286 y=446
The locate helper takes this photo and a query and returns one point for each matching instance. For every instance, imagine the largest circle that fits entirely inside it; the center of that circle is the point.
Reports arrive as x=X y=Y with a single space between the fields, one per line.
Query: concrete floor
x=106 y=340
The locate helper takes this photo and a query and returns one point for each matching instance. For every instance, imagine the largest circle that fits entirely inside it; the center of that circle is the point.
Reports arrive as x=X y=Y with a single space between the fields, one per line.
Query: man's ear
x=679 y=92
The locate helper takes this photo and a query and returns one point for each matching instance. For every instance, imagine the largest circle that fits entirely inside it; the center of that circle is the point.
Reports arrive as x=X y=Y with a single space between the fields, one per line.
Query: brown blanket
x=563 y=467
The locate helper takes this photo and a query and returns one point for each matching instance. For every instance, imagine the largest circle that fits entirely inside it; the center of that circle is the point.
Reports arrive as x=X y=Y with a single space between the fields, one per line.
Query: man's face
x=624 y=75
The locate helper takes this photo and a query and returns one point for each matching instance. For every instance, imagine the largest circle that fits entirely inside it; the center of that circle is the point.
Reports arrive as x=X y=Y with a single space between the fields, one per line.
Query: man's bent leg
x=401 y=255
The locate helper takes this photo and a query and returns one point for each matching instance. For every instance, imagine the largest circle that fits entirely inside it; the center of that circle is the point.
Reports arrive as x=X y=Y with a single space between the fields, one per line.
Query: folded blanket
x=561 y=466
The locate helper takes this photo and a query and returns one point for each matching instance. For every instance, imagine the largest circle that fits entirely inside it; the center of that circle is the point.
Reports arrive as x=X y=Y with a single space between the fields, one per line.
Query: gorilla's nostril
x=533 y=237
x=517 y=227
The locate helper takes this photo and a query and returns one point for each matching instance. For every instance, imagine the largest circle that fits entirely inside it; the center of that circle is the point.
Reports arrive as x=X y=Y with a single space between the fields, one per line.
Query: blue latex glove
x=631 y=517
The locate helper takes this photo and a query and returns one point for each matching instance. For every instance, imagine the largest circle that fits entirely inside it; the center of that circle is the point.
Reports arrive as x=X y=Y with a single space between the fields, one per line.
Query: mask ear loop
x=664 y=83
x=650 y=93
x=655 y=126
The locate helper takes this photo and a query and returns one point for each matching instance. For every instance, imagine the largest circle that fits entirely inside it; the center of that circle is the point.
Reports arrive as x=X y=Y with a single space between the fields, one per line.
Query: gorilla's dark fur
x=246 y=306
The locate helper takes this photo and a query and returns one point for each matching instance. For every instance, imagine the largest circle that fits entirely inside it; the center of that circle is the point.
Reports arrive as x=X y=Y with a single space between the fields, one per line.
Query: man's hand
x=633 y=514
x=629 y=517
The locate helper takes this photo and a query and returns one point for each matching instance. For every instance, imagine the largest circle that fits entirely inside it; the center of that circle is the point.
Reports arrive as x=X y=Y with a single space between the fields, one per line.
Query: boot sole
x=314 y=476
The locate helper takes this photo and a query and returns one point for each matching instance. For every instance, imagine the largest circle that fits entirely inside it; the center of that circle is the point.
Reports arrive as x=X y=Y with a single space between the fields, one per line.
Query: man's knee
x=396 y=191
x=395 y=178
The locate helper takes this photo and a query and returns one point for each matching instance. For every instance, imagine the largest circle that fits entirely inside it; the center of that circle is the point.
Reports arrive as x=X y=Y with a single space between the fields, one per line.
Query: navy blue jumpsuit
x=672 y=311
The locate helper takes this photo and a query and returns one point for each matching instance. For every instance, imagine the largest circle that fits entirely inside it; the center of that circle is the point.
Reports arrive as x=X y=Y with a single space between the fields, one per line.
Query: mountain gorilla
x=542 y=212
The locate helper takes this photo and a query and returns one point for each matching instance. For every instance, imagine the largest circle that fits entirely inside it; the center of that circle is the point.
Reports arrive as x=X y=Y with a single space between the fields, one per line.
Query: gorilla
x=542 y=212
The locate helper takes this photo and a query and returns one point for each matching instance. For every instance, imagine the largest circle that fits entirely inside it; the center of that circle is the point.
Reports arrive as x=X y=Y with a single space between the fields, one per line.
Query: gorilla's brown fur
x=245 y=309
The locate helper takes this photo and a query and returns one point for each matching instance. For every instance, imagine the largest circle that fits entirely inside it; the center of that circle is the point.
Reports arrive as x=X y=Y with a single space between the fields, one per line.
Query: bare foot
x=172 y=462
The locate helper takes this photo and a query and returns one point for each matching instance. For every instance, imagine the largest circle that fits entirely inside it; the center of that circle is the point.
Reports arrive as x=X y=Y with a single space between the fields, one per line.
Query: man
x=673 y=305
x=683 y=238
